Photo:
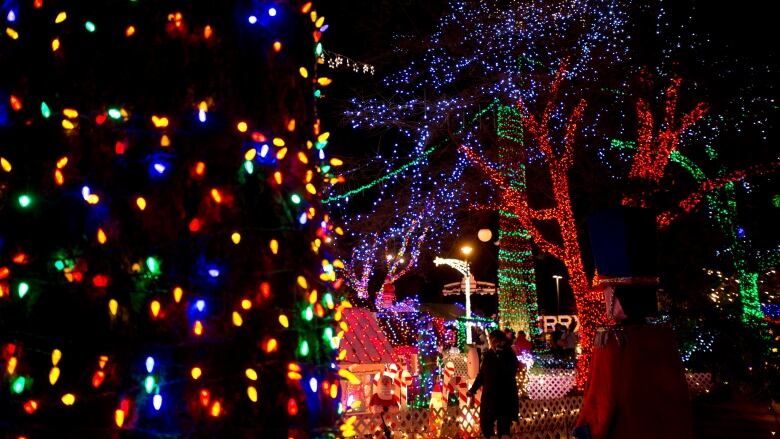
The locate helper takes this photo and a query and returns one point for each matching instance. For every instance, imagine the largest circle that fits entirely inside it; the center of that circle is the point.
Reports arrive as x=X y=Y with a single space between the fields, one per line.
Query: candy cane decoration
x=405 y=378
x=462 y=388
x=449 y=372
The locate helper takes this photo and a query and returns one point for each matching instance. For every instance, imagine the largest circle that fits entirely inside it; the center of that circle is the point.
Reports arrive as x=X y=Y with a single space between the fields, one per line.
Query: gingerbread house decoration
x=368 y=351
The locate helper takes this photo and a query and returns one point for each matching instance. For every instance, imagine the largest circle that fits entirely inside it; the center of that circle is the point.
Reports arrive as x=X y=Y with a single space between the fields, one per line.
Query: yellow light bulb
x=196 y=372
x=5 y=164
x=251 y=392
x=68 y=399
x=251 y=374
x=62 y=16
x=242 y=126
x=56 y=355
x=54 y=375
x=113 y=306
x=141 y=203
x=101 y=236
x=119 y=417
x=177 y=294
x=284 y=321
x=216 y=196
x=302 y=282
x=235 y=237
x=274 y=244
x=246 y=304
x=237 y=320
x=155 y=308
x=271 y=346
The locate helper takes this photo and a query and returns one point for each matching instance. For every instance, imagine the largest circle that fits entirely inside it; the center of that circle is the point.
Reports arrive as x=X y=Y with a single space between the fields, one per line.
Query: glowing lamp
x=485 y=235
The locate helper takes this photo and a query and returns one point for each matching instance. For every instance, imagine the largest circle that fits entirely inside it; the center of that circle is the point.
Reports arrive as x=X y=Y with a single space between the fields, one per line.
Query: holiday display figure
x=637 y=386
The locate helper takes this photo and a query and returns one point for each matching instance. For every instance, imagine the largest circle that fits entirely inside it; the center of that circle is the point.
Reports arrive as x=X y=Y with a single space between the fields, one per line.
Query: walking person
x=499 y=403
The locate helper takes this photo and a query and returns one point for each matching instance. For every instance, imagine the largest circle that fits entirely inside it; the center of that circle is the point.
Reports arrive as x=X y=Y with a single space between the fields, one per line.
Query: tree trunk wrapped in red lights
x=568 y=250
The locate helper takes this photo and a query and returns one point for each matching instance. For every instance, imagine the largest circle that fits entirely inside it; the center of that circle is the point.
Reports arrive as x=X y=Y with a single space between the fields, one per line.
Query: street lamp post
x=558 y=293
x=462 y=266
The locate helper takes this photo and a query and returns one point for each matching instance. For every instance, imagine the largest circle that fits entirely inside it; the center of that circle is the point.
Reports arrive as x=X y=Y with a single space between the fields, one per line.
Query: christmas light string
x=304 y=354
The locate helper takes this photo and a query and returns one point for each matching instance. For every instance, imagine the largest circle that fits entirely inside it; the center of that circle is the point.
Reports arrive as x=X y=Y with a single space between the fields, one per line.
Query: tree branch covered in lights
x=482 y=56
x=656 y=147
x=398 y=248
x=557 y=158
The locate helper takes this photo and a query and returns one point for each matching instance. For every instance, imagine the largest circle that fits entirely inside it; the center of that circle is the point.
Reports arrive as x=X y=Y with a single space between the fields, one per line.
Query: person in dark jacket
x=500 y=404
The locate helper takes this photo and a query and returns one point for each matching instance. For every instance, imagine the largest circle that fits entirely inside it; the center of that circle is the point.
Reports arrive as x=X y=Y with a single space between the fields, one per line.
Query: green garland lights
x=723 y=207
x=517 y=299
x=406 y=166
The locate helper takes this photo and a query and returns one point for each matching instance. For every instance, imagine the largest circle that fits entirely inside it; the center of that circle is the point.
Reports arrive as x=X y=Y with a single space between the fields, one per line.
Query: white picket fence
x=543 y=418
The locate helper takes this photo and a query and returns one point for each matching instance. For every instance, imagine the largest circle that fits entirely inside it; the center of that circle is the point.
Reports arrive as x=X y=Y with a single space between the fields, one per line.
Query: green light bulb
x=295 y=198
x=153 y=264
x=18 y=385
x=24 y=287
x=149 y=384
x=45 y=111
x=25 y=200
x=90 y=26
x=304 y=350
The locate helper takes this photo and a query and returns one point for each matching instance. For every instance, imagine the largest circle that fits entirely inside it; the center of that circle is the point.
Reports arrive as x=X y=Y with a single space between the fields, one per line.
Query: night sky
x=367 y=31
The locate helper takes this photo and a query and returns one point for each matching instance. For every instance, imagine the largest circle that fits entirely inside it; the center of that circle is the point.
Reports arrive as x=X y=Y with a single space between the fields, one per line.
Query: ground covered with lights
x=242 y=218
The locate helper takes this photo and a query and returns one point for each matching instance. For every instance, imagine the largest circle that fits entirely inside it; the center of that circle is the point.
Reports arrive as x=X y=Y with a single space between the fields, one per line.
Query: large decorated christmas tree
x=164 y=263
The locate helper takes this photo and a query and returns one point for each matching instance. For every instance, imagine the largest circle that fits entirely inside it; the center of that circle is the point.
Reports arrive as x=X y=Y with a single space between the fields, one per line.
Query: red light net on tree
x=655 y=148
x=568 y=250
